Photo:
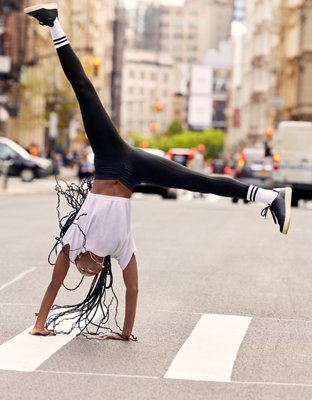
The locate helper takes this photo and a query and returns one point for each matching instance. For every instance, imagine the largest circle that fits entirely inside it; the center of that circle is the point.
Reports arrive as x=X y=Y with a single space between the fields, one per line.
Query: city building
x=208 y=93
x=185 y=32
x=47 y=112
x=119 y=29
x=235 y=137
x=148 y=85
x=11 y=57
x=257 y=68
x=293 y=89
x=271 y=69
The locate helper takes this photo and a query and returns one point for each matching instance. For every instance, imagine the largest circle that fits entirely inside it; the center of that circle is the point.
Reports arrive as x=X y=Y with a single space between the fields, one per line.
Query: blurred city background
x=195 y=77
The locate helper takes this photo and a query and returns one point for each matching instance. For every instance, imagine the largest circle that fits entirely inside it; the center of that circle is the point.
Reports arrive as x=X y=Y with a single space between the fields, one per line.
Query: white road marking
x=210 y=351
x=98 y=374
x=26 y=352
x=20 y=276
x=123 y=376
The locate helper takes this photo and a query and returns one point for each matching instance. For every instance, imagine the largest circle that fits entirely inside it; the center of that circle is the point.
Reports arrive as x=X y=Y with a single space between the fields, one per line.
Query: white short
x=102 y=226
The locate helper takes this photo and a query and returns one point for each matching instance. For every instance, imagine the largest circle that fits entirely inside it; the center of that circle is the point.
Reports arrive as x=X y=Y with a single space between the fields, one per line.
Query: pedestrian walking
x=100 y=228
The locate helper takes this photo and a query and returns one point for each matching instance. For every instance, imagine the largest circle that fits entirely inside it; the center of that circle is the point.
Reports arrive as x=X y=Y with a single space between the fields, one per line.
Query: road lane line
x=122 y=376
x=101 y=374
x=26 y=352
x=20 y=276
x=210 y=351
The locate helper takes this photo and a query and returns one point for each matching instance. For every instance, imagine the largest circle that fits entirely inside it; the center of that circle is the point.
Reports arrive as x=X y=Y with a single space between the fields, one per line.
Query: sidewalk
x=37 y=186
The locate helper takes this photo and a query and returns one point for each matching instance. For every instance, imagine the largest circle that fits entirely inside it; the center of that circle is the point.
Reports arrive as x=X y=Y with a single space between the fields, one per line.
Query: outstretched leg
x=162 y=172
x=99 y=128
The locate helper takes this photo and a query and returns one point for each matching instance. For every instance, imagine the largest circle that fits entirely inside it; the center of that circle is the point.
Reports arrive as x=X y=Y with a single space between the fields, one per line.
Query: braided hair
x=80 y=318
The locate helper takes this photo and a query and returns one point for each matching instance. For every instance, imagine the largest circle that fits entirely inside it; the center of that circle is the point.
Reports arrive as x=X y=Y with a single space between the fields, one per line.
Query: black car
x=254 y=168
x=20 y=163
x=166 y=193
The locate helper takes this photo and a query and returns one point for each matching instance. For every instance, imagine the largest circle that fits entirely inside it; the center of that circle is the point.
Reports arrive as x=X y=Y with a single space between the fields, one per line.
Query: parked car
x=22 y=164
x=254 y=168
x=166 y=193
x=220 y=166
x=180 y=155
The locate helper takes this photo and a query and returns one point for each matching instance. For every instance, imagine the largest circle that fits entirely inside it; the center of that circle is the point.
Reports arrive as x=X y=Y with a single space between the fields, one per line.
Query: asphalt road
x=199 y=260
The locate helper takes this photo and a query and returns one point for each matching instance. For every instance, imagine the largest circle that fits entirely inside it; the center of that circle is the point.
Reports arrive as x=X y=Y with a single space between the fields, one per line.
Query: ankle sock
x=58 y=35
x=260 y=195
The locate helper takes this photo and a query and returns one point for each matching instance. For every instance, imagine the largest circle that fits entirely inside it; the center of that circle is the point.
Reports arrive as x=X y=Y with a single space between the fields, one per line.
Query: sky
x=132 y=3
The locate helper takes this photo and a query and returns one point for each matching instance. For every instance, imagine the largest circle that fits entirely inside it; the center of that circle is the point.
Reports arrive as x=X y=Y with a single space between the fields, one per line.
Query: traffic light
x=153 y=126
x=269 y=133
x=96 y=65
x=158 y=106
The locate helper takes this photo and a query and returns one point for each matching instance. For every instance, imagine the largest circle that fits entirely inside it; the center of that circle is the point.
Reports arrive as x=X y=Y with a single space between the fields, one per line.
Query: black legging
x=133 y=166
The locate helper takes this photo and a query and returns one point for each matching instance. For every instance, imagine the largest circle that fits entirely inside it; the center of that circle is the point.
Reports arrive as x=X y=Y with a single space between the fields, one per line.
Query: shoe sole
x=288 y=194
x=48 y=6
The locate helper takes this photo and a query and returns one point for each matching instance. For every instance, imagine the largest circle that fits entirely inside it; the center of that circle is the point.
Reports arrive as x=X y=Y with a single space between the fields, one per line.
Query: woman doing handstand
x=102 y=226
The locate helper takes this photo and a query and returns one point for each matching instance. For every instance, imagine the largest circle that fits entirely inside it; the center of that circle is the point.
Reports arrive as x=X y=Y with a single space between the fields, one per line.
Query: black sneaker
x=44 y=13
x=280 y=209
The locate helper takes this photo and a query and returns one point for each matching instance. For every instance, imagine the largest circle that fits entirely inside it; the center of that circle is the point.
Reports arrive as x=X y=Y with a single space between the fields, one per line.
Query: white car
x=21 y=163
x=166 y=193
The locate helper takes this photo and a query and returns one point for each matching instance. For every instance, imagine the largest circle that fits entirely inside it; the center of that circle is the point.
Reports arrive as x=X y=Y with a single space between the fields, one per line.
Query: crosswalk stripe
x=210 y=351
x=26 y=352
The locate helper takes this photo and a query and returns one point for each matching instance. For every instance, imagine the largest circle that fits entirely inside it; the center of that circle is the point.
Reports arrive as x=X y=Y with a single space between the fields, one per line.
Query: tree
x=174 y=128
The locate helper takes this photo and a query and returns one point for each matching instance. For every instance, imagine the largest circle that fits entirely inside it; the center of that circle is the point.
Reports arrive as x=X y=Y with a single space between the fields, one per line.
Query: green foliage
x=212 y=139
x=138 y=139
x=174 y=128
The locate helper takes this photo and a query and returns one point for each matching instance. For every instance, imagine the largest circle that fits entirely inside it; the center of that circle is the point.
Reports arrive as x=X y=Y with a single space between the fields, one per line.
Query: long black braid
x=80 y=316
x=98 y=302
x=75 y=196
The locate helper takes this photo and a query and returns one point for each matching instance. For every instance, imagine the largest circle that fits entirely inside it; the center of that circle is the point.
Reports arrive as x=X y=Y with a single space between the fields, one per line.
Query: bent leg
x=162 y=172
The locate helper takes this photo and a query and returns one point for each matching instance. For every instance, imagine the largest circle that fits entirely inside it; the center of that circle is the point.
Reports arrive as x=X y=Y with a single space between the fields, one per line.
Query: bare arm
x=130 y=276
x=58 y=276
